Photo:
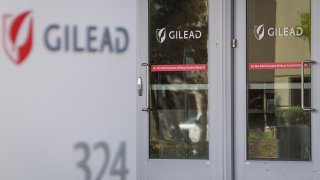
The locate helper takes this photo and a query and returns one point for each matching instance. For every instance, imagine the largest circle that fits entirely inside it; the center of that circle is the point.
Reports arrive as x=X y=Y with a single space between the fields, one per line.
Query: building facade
x=160 y=89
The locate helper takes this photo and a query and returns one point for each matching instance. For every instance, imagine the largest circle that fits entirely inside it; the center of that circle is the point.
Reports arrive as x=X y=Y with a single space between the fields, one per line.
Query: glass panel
x=178 y=39
x=278 y=39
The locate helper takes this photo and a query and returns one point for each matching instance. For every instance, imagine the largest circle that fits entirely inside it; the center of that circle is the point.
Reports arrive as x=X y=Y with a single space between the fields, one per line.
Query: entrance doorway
x=211 y=107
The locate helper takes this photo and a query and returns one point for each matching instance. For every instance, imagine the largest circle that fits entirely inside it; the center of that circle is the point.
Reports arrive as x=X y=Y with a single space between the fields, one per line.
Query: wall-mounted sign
x=16 y=50
x=95 y=39
x=18 y=37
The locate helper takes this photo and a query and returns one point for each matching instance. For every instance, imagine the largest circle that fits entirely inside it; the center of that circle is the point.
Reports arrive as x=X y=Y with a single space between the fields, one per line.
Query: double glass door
x=203 y=114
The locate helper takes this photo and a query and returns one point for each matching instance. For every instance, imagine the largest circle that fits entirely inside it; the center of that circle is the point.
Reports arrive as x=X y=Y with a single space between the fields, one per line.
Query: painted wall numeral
x=118 y=167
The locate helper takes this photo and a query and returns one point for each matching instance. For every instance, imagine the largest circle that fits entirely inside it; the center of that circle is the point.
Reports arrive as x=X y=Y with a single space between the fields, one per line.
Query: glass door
x=178 y=58
x=179 y=101
x=178 y=89
x=276 y=86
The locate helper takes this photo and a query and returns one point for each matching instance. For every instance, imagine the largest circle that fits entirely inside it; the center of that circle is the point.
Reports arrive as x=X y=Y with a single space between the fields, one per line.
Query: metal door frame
x=225 y=159
x=220 y=90
x=240 y=101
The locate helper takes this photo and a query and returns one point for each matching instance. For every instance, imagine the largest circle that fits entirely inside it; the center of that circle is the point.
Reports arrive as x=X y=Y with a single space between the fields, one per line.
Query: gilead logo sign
x=96 y=39
x=260 y=31
x=161 y=34
x=18 y=36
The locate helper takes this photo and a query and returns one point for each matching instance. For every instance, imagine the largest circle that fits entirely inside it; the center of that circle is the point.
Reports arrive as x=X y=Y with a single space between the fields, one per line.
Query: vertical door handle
x=302 y=85
x=147 y=108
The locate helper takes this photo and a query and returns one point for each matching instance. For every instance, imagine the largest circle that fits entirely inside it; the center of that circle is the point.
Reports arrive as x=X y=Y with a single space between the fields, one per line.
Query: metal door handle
x=147 y=109
x=140 y=86
x=302 y=85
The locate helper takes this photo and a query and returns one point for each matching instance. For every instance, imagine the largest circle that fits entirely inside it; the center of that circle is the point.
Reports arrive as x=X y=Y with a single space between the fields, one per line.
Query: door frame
x=241 y=163
x=220 y=90
x=224 y=159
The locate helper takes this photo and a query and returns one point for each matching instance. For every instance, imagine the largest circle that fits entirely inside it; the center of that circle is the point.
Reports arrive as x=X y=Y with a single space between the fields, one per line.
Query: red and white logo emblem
x=18 y=36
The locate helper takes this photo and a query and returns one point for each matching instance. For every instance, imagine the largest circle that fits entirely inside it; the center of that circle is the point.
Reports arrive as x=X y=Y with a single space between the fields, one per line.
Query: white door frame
x=220 y=92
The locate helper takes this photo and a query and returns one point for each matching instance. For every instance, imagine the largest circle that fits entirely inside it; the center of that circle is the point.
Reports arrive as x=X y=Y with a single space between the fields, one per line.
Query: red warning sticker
x=178 y=67
x=273 y=66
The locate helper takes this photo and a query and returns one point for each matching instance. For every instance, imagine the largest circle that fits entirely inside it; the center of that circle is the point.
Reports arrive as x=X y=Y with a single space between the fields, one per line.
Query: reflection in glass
x=278 y=39
x=178 y=34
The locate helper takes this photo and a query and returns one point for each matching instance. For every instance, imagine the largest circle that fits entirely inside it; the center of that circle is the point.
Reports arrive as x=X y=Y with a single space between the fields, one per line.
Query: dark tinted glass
x=178 y=40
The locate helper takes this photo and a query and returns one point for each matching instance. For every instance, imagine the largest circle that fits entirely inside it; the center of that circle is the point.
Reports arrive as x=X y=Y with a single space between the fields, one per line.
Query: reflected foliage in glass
x=278 y=40
x=178 y=35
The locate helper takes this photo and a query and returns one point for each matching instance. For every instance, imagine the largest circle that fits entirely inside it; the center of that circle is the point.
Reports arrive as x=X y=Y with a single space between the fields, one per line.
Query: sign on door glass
x=178 y=57
x=278 y=40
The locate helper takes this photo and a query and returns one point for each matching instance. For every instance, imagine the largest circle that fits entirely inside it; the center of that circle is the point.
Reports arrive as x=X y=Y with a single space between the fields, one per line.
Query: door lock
x=140 y=86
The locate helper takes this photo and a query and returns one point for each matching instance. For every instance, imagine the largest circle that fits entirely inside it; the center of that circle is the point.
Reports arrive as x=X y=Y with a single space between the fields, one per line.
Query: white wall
x=56 y=99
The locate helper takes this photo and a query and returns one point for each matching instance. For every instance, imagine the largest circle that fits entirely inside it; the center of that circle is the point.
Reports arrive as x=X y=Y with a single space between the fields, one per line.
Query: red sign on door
x=273 y=66
x=178 y=67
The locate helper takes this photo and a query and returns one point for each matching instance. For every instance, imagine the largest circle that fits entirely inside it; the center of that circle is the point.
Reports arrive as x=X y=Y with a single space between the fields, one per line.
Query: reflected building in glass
x=278 y=41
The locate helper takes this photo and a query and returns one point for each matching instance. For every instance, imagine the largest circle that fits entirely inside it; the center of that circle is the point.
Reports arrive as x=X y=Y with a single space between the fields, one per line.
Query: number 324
x=120 y=158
